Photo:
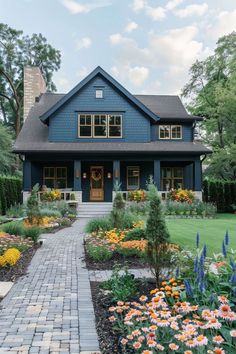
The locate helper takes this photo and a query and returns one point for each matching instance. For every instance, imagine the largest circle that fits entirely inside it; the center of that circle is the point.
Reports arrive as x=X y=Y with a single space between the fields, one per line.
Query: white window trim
x=164 y=125
x=101 y=90
x=121 y=127
x=127 y=178
x=85 y=137
x=93 y=126
x=181 y=131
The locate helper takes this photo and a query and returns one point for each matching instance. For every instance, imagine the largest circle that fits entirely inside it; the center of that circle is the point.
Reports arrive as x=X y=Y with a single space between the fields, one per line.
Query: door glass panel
x=96 y=178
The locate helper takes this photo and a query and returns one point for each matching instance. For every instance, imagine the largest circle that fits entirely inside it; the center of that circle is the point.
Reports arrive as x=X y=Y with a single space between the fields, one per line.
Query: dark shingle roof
x=34 y=134
x=169 y=107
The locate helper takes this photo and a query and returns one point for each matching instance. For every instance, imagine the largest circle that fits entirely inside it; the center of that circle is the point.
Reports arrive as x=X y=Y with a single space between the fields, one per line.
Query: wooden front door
x=96 y=183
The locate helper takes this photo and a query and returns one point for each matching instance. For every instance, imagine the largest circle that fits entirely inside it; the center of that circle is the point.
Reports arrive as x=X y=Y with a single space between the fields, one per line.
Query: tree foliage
x=212 y=94
x=7 y=159
x=16 y=51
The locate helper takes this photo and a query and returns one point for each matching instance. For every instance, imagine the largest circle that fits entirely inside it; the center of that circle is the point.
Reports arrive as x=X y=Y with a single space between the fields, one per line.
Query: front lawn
x=212 y=231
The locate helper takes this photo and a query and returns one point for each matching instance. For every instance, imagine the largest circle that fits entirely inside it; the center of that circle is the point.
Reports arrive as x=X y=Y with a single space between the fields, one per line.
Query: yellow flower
x=10 y=257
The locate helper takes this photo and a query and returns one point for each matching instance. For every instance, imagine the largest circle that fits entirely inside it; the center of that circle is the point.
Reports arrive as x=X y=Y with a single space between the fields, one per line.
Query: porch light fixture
x=109 y=175
x=84 y=175
x=77 y=173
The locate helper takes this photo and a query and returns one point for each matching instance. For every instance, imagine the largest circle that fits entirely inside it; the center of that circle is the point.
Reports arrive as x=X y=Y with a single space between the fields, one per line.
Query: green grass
x=212 y=231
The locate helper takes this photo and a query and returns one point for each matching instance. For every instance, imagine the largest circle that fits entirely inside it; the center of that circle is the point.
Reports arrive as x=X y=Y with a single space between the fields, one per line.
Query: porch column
x=27 y=176
x=77 y=175
x=197 y=175
x=116 y=172
x=157 y=174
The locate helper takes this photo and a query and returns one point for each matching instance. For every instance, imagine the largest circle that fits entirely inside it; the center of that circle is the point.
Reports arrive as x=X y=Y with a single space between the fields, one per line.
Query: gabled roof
x=99 y=71
x=167 y=107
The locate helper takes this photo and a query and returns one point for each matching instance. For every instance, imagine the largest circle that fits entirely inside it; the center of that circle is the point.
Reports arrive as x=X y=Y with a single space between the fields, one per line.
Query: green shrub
x=138 y=208
x=130 y=252
x=122 y=284
x=33 y=210
x=32 y=232
x=66 y=222
x=99 y=253
x=10 y=192
x=197 y=208
x=135 y=234
x=13 y=228
x=97 y=224
x=50 y=212
x=16 y=211
x=128 y=220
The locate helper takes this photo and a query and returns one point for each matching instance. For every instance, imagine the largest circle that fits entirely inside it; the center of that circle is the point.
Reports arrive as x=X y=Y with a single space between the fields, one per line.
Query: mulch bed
x=108 y=338
x=13 y=273
x=131 y=262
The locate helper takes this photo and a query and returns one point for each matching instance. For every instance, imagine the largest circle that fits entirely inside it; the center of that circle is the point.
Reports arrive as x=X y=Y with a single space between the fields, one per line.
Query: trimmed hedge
x=221 y=193
x=10 y=192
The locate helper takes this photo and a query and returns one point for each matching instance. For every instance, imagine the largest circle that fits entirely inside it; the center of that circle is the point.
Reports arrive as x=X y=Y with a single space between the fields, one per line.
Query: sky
x=147 y=45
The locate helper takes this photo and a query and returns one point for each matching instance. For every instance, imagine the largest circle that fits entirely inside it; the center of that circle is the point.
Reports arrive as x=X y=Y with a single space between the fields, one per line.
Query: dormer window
x=99 y=93
x=170 y=132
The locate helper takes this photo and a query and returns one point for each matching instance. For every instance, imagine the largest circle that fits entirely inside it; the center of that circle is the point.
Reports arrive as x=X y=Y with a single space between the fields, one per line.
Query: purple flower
x=197 y=239
x=188 y=288
x=224 y=252
x=234 y=292
x=233 y=278
x=227 y=238
x=232 y=264
x=204 y=251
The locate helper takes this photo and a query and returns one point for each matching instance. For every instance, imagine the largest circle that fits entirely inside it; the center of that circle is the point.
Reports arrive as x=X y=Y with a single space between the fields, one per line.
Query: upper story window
x=100 y=126
x=170 y=131
x=85 y=126
x=99 y=93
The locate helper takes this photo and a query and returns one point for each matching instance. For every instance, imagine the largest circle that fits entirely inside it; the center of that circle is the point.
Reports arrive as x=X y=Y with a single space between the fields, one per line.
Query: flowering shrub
x=44 y=222
x=115 y=235
x=138 y=195
x=13 y=241
x=181 y=195
x=152 y=325
x=51 y=196
x=10 y=257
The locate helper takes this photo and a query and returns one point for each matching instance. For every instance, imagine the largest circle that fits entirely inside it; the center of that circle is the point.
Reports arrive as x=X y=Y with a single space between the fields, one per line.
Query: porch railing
x=65 y=195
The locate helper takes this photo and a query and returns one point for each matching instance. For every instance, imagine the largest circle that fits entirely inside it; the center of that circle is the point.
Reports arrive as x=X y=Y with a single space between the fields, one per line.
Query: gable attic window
x=99 y=93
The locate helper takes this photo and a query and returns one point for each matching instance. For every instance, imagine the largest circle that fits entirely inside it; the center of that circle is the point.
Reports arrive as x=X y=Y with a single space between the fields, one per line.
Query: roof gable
x=99 y=71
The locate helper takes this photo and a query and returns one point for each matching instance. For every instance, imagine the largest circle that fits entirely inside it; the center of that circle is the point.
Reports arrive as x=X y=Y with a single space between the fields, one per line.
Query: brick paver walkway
x=50 y=309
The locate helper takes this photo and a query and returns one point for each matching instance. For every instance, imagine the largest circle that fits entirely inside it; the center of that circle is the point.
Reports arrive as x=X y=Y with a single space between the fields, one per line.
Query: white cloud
x=117 y=38
x=131 y=26
x=77 y=8
x=190 y=10
x=84 y=42
x=225 y=24
x=172 y=53
x=63 y=84
x=137 y=75
x=155 y=13
x=173 y=4
x=82 y=72
x=138 y=5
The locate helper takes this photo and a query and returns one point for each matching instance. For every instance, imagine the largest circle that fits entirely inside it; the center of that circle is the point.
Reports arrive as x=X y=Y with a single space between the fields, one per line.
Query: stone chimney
x=34 y=86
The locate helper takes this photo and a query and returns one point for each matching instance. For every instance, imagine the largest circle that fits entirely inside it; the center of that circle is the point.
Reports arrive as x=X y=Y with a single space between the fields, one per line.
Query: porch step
x=93 y=209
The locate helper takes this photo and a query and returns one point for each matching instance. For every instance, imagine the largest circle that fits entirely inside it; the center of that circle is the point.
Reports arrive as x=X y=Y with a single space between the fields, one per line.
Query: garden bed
x=131 y=262
x=13 y=273
x=109 y=340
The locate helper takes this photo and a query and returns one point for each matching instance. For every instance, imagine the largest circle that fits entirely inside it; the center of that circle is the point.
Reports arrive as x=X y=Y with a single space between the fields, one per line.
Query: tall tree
x=212 y=94
x=7 y=159
x=16 y=51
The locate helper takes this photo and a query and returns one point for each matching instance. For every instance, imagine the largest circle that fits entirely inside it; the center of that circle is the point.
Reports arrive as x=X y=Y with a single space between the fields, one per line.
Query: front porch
x=90 y=180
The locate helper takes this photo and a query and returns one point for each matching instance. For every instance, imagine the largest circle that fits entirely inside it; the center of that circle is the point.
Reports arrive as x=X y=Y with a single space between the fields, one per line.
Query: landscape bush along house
x=84 y=141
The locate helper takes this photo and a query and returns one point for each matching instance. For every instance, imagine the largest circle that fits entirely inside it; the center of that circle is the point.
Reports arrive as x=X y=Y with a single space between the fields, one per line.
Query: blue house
x=84 y=141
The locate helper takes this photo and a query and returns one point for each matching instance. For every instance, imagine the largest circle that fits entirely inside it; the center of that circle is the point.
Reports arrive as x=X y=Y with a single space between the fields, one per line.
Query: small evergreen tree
x=118 y=210
x=33 y=210
x=158 y=237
